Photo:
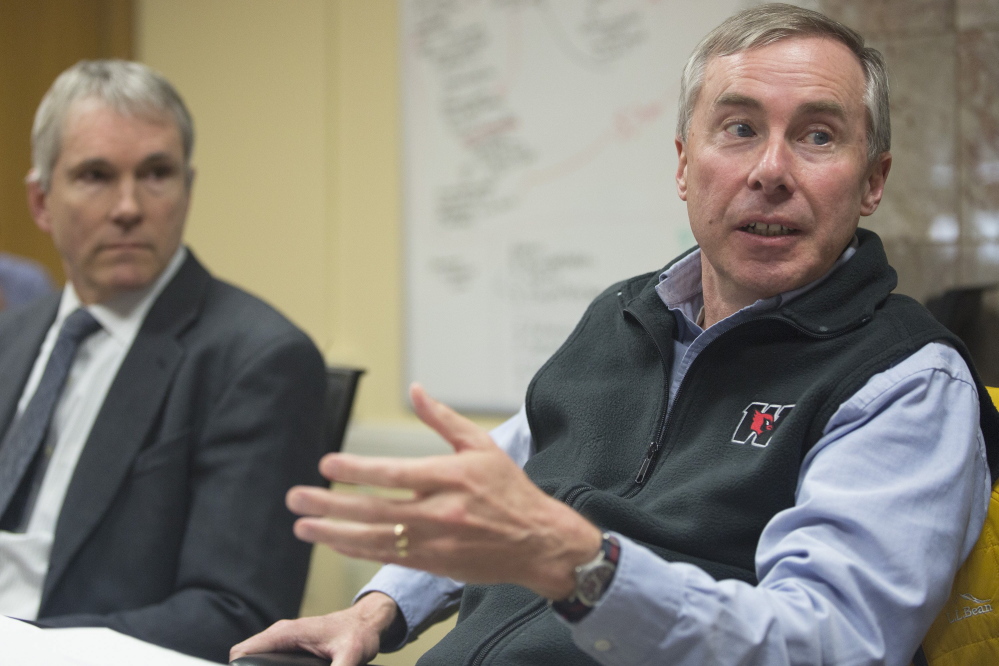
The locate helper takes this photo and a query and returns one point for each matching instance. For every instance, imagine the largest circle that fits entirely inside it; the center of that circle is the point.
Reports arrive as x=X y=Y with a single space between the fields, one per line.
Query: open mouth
x=764 y=229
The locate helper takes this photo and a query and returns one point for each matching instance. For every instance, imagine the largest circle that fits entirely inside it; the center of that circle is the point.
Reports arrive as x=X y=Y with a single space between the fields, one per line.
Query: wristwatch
x=592 y=580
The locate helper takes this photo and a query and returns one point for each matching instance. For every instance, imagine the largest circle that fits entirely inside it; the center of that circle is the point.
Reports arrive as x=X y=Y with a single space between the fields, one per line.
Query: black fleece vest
x=727 y=457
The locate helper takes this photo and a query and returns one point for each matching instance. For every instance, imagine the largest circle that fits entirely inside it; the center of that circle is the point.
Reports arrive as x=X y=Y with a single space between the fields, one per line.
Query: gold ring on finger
x=401 y=540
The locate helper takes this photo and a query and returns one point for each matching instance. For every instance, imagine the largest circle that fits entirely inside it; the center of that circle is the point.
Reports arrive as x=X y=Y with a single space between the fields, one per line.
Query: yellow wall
x=297 y=196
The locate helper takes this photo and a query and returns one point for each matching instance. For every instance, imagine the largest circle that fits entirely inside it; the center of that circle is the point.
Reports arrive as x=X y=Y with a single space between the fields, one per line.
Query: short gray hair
x=770 y=23
x=130 y=88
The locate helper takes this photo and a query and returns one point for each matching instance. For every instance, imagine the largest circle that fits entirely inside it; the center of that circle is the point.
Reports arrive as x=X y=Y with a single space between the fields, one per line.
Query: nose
x=773 y=171
x=127 y=211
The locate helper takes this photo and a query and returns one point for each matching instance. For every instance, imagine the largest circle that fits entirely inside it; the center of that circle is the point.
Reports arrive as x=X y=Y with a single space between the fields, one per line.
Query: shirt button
x=602 y=645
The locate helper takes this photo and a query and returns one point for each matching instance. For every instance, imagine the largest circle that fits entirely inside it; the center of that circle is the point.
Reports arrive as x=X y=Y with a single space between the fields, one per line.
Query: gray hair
x=130 y=88
x=770 y=23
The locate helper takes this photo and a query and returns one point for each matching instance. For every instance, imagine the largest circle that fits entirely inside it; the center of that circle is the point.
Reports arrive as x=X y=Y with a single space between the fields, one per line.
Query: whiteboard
x=539 y=168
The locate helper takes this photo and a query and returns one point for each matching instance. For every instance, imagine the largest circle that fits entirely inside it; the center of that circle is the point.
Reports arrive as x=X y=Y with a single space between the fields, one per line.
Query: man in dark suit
x=153 y=504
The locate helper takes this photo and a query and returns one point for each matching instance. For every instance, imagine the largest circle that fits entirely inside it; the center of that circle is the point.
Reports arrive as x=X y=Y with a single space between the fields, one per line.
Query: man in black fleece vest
x=756 y=455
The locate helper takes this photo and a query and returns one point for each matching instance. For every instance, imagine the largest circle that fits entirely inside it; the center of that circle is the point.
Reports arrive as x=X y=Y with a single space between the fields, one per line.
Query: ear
x=874 y=186
x=38 y=203
x=189 y=177
x=681 y=169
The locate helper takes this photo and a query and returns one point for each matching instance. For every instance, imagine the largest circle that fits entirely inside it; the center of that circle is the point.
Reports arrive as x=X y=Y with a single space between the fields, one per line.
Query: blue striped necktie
x=24 y=438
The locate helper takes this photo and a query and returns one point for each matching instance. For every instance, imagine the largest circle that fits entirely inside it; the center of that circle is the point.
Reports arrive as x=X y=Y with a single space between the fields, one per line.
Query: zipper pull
x=650 y=457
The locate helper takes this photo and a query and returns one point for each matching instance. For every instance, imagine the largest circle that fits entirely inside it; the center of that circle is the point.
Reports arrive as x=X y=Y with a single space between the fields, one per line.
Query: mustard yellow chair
x=967 y=630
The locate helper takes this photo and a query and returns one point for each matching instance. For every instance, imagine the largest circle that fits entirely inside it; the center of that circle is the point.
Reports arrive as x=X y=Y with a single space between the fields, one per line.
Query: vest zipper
x=656 y=445
x=574 y=493
x=648 y=464
x=516 y=623
x=650 y=457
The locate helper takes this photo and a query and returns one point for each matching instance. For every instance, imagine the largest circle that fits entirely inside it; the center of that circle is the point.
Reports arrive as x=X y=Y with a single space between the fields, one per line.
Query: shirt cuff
x=619 y=631
x=419 y=595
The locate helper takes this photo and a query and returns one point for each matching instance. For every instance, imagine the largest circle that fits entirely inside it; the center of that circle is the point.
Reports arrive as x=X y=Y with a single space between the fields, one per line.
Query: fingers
x=418 y=474
x=355 y=525
x=421 y=475
x=283 y=636
x=461 y=433
x=366 y=542
x=373 y=470
x=411 y=547
x=311 y=501
x=342 y=636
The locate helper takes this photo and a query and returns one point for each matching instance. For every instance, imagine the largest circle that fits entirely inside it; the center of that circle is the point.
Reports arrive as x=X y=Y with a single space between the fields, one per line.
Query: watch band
x=592 y=580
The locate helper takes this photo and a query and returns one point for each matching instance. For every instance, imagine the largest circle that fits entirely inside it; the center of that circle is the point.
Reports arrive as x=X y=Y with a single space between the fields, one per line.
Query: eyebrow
x=735 y=99
x=808 y=108
x=824 y=108
x=98 y=162
x=159 y=157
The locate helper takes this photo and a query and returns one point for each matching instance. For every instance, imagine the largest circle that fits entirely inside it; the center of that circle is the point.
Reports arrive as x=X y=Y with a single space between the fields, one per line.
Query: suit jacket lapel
x=129 y=411
x=21 y=337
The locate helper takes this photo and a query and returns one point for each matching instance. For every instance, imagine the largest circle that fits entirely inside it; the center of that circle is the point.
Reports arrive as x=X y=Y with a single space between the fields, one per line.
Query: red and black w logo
x=759 y=420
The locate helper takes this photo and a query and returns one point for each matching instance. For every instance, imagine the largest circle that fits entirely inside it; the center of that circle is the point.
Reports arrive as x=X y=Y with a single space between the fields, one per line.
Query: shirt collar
x=680 y=286
x=122 y=316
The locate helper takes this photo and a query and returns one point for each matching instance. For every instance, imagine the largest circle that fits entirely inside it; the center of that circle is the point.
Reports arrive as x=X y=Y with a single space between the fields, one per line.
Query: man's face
x=117 y=200
x=774 y=170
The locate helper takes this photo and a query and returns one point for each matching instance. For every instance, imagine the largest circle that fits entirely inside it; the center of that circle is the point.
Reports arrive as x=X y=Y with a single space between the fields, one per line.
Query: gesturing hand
x=474 y=516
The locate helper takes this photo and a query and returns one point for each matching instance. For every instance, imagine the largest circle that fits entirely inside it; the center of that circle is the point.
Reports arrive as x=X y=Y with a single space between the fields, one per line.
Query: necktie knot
x=78 y=326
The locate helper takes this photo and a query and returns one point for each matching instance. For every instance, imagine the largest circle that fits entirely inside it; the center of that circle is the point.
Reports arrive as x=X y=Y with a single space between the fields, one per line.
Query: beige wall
x=297 y=195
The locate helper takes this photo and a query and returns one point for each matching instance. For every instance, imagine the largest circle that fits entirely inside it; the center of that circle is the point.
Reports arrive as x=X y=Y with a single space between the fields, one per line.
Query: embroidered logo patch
x=759 y=420
x=980 y=607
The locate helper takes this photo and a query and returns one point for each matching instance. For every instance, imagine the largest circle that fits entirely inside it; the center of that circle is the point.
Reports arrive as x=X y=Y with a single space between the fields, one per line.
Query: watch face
x=592 y=584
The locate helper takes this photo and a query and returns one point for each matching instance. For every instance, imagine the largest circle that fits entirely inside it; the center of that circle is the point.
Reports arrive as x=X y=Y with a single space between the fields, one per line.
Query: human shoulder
x=19 y=320
x=221 y=327
x=933 y=358
x=935 y=363
x=246 y=321
x=237 y=349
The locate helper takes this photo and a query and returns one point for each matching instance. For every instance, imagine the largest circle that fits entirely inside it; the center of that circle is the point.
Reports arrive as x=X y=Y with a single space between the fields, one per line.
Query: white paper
x=23 y=646
x=27 y=645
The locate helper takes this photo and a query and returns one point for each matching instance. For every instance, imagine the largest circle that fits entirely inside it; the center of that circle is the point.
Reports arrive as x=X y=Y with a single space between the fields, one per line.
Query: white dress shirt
x=24 y=557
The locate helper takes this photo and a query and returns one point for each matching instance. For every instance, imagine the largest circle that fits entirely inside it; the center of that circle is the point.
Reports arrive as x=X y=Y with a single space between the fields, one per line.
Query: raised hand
x=474 y=516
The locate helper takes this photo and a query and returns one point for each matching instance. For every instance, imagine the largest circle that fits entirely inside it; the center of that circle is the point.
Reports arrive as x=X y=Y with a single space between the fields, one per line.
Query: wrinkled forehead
x=92 y=123
x=819 y=69
x=112 y=112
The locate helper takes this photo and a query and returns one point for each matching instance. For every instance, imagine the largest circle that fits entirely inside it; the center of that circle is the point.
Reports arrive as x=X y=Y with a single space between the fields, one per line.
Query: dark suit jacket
x=174 y=528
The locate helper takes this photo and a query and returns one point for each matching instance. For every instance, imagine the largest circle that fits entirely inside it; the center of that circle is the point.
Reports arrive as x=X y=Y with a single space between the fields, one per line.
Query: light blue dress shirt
x=889 y=503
